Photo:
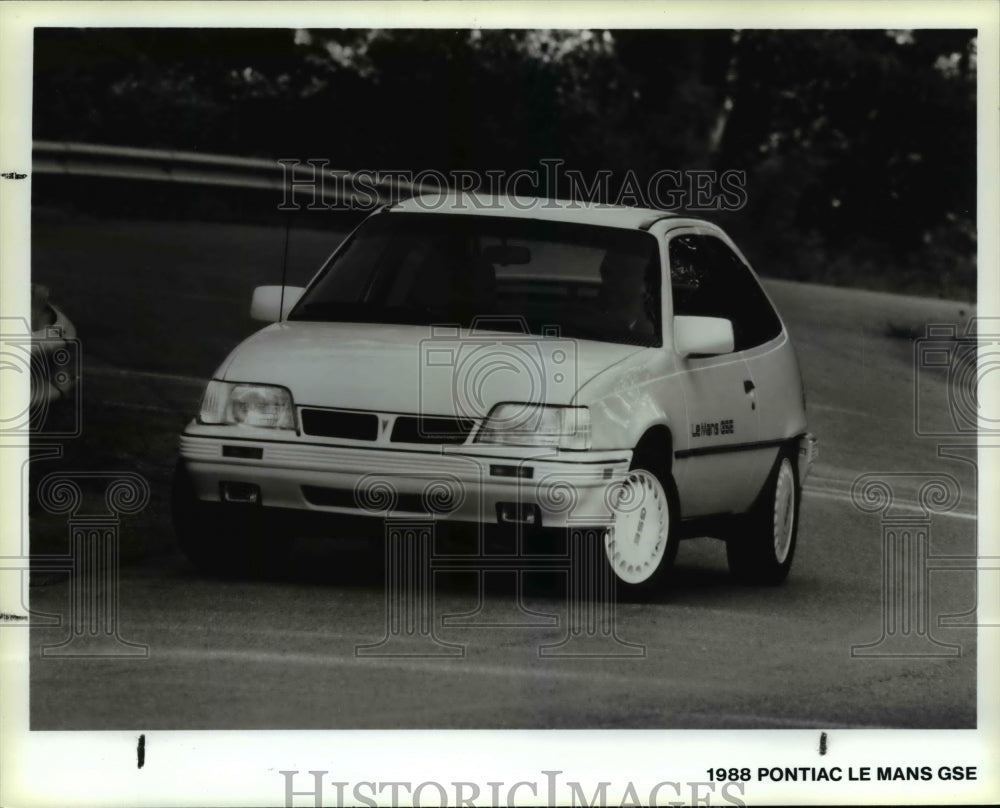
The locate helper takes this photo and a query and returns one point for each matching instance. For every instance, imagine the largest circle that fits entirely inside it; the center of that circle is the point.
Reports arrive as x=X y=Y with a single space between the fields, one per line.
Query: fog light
x=518 y=513
x=243 y=493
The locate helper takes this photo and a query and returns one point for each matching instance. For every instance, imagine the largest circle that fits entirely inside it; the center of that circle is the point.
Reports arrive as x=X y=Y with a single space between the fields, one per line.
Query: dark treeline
x=859 y=147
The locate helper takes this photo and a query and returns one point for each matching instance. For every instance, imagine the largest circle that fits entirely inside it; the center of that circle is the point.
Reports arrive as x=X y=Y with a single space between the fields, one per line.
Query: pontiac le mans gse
x=510 y=361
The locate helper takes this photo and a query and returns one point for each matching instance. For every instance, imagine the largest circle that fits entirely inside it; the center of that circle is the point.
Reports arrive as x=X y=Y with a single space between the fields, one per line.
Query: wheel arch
x=788 y=448
x=657 y=442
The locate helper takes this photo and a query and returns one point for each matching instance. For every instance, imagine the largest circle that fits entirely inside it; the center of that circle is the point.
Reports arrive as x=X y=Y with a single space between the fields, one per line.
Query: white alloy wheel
x=784 y=510
x=636 y=541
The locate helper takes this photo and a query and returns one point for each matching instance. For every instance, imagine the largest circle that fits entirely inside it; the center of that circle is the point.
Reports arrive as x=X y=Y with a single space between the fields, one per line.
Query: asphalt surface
x=283 y=652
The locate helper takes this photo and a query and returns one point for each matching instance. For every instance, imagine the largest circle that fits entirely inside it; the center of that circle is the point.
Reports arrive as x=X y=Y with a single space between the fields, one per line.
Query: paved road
x=281 y=653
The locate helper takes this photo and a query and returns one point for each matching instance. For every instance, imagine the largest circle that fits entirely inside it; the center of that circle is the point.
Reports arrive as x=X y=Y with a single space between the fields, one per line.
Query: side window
x=708 y=279
x=757 y=320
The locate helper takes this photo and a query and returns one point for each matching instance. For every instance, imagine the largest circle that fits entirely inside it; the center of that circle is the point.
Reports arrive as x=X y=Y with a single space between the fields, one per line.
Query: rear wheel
x=641 y=543
x=761 y=551
x=225 y=539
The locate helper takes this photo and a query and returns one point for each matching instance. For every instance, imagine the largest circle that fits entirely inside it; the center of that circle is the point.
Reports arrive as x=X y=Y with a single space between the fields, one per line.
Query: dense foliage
x=859 y=147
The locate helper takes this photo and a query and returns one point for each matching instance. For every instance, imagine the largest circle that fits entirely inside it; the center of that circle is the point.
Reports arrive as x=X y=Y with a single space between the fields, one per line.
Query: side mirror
x=704 y=336
x=267 y=304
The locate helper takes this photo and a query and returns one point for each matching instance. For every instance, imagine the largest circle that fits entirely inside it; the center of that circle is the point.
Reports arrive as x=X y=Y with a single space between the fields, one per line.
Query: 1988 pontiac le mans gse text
x=510 y=361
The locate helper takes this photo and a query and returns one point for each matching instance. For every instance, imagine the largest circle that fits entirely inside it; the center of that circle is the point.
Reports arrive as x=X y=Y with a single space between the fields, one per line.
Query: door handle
x=748 y=386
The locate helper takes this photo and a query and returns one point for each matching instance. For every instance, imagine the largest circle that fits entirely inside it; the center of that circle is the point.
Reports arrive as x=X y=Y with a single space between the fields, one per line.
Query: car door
x=712 y=461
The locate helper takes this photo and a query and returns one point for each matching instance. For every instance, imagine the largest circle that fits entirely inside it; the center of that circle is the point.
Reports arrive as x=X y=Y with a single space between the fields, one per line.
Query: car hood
x=404 y=368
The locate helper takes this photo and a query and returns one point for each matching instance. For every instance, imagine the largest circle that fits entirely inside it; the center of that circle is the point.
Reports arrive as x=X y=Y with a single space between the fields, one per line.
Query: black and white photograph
x=499 y=404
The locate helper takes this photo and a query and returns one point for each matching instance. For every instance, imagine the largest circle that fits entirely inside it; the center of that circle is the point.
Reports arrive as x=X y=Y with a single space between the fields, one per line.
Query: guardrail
x=286 y=178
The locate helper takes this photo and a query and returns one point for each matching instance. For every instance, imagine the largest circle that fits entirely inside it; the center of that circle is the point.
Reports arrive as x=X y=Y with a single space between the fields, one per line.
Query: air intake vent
x=340 y=424
x=410 y=429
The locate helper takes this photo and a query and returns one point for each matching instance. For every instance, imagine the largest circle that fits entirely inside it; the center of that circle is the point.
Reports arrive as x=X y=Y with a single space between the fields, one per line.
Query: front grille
x=340 y=424
x=423 y=429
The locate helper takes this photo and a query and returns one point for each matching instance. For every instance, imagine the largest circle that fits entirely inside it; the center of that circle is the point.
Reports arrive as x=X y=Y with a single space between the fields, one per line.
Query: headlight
x=258 y=405
x=536 y=425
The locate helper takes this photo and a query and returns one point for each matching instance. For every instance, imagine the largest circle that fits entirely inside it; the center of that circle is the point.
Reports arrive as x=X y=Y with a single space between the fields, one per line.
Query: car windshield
x=493 y=273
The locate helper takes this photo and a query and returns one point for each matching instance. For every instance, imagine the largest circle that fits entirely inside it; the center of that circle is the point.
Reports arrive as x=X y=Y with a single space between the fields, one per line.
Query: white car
x=511 y=361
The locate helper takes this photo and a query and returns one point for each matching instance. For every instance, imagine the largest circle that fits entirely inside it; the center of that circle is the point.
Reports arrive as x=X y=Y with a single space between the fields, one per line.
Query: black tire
x=224 y=539
x=643 y=572
x=761 y=549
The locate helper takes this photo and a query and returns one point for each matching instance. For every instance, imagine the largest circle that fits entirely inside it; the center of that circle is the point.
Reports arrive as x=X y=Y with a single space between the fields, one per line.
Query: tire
x=761 y=551
x=223 y=539
x=641 y=544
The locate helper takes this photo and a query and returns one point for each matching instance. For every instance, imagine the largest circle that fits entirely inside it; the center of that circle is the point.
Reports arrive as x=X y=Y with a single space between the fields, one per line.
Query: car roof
x=525 y=207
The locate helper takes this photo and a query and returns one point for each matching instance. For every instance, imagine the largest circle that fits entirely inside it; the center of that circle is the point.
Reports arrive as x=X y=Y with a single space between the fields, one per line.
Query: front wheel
x=223 y=539
x=640 y=545
x=761 y=552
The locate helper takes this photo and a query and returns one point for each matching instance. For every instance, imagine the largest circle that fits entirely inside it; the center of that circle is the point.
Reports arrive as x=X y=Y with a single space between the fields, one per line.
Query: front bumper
x=808 y=452
x=484 y=484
